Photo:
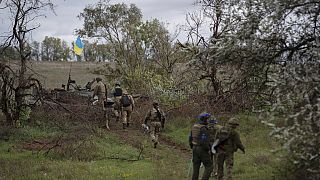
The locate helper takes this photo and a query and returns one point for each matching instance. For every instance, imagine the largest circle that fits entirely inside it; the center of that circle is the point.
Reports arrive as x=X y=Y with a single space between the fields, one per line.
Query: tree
x=210 y=54
x=128 y=39
x=238 y=55
x=52 y=49
x=275 y=47
x=160 y=47
x=14 y=83
x=35 y=51
x=295 y=82
x=65 y=51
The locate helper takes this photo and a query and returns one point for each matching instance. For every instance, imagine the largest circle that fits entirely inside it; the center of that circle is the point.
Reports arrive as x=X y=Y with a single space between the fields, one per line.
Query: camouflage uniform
x=126 y=111
x=117 y=96
x=213 y=130
x=199 y=141
x=109 y=112
x=227 y=149
x=156 y=117
x=100 y=91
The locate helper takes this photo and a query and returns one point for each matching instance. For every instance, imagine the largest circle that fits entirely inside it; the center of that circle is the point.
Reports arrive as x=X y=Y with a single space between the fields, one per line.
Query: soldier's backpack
x=125 y=101
x=117 y=91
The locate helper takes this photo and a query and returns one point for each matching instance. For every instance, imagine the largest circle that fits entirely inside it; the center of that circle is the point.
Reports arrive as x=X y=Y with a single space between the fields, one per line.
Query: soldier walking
x=229 y=143
x=127 y=105
x=117 y=94
x=100 y=91
x=157 y=119
x=199 y=141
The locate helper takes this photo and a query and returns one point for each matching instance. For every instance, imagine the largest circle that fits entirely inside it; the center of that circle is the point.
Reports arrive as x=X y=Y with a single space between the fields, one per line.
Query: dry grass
x=54 y=74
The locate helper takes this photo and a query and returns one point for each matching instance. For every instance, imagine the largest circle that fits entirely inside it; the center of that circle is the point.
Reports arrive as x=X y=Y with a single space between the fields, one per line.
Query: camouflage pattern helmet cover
x=98 y=79
x=155 y=102
x=233 y=121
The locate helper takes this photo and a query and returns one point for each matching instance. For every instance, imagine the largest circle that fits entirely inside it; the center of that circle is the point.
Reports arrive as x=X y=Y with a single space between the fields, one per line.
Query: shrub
x=298 y=102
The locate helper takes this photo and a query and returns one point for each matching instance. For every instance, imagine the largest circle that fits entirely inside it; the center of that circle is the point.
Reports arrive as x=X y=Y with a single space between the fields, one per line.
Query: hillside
x=68 y=141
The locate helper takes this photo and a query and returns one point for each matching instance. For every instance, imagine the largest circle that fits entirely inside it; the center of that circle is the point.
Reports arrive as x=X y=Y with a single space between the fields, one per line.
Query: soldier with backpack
x=157 y=119
x=127 y=105
x=229 y=142
x=199 y=141
x=100 y=90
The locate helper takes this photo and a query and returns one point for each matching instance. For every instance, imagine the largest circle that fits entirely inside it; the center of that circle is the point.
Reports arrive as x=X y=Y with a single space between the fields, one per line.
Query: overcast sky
x=63 y=24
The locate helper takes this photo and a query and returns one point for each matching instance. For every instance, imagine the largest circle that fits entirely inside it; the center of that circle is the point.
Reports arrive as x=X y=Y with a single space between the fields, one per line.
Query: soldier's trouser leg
x=207 y=162
x=220 y=163
x=152 y=132
x=124 y=116
x=155 y=129
x=116 y=113
x=101 y=100
x=215 y=164
x=129 y=112
x=117 y=109
x=196 y=161
x=201 y=155
x=107 y=118
x=156 y=133
x=229 y=166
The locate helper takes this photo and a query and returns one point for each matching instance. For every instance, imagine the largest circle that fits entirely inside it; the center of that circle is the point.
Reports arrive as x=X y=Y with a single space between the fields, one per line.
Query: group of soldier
x=212 y=145
x=123 y=106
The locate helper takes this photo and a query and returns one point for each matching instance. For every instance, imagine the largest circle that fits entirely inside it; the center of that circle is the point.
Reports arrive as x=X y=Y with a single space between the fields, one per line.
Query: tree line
x=56 y=49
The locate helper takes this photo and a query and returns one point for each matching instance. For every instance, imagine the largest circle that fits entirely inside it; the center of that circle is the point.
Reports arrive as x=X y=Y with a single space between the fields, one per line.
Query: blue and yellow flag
x=78 y=46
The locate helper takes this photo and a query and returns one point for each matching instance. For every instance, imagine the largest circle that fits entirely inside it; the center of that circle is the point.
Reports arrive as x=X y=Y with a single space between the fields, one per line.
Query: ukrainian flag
x=78 y=46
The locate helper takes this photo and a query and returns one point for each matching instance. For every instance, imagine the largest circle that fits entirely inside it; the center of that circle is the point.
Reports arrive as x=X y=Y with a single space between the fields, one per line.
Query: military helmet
x=204 y=116
x=233 y=121
x=125 y=92
x=117 y=83
x=98 y=79
x=155 y=102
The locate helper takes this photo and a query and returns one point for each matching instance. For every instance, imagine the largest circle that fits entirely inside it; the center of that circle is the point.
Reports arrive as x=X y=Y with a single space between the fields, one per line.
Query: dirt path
x=134 y=137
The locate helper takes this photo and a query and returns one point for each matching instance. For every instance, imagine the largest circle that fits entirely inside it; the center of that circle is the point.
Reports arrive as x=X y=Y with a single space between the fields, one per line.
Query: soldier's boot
x=123 y=126
x=128 y=124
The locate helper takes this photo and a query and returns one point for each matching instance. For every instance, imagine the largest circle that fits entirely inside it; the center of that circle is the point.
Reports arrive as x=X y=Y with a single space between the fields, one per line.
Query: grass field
x=100 y=154
x=54 y=74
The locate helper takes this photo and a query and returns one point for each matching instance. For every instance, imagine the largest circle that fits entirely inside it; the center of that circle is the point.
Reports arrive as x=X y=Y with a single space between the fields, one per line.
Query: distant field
x=54 y=74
